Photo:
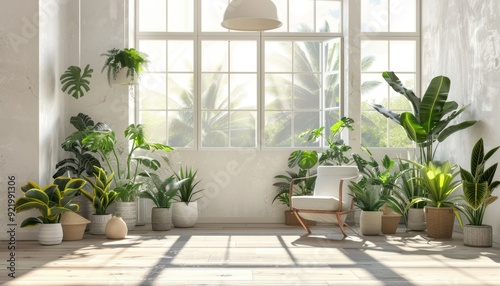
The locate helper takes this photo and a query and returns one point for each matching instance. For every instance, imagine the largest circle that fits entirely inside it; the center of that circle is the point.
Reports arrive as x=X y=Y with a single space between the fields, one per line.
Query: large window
x=389 y=42
x=208 y=87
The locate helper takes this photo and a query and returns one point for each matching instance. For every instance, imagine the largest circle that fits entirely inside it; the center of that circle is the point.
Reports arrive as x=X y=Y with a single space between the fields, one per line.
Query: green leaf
x=431 y=107
x=76 y=83
x=304 y=159
x=395 y=83
x=475 y=193
x=414 y=130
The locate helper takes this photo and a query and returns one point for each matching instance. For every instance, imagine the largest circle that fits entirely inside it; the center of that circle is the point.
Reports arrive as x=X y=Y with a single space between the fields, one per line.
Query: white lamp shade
x=251 y=15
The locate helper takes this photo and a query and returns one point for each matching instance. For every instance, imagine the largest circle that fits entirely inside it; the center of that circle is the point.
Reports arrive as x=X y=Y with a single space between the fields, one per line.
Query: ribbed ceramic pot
x=128 y=212
x=184 y=215
x=478 y=235
x=98 y=223
x=161 y=218
x=370 y=222
x=50 y=234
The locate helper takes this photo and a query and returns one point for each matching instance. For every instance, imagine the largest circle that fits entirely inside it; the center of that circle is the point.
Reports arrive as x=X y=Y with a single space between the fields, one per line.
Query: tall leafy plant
x=427 y=125
x=478 y=184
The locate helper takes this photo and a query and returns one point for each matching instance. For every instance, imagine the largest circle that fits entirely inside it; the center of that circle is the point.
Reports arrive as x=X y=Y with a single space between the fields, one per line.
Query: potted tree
x=161 y=193
x=101 y=197
x=51 y=201
x=478 y=185
x=438 y=182
x=124 y=66
x=185 y=207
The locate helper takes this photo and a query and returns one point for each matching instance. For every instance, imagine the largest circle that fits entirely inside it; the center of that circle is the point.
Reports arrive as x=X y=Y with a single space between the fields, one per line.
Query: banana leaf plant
x=104 y=143
x=51 y=200
x=478 y=184
x=427 y=126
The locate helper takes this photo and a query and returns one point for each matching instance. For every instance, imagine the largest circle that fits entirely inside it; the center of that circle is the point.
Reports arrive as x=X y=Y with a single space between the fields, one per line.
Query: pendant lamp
x=251 y=15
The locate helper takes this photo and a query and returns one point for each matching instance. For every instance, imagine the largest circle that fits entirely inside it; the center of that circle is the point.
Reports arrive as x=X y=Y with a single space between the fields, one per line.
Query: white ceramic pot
x=370 y=222
x=50 y=234
x=98 y=223
x=416 y=219
x=184 y=215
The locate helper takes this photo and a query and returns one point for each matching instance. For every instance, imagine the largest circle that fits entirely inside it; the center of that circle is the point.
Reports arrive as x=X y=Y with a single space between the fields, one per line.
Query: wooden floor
x=270 y=254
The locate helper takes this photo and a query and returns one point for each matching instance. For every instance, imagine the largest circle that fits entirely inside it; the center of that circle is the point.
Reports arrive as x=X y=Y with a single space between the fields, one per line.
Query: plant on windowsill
x=124 y=66
x=51 y=201
x=478 y=186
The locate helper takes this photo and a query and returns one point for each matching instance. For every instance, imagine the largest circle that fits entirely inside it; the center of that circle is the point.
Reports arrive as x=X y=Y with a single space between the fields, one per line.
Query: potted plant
x=51 y=201
x=368 y=198
x=126 y=185
x=382 y=176
x=438 y=182
x=185 y=207
x=133 y=61
x=478 y=185
x=101 y=197
x=427 y=125
x=161 y=193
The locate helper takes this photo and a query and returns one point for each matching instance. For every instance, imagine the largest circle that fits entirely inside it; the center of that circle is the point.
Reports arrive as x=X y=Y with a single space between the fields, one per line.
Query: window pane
x=375 y=56
x=243 y=91
x=214 y=127
x=374 y=89
x=157 y=52
x=243 y=56
x=301 y=16
x=397 y=136
x=243 y=129
x=152 y=16
x=306 y=56
x=180 y=15
x=332 y=91
x=155 y=124
x=403 y=56
x=328 y=16
x=278 y=129
x=278 y=91
x=278 y=56
x=374 y=15
x=302 y=122
x=180 y=91
x=212 y=13
x=152 y=89
x=181 y=129
x=306 y=91
x=180 y=56
x=373 y=129
x=214 y=56
x=403 y=16
x=214 y=91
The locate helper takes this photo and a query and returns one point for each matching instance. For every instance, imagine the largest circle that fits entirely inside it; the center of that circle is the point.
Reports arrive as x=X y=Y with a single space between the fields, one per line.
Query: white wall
x=460 y=39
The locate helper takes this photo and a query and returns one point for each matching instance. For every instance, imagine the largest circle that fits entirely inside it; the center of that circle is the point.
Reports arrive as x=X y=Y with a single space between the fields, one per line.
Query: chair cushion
x=317 y=203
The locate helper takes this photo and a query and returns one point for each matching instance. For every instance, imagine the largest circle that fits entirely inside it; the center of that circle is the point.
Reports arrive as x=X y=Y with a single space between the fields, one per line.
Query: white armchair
x=331 y=201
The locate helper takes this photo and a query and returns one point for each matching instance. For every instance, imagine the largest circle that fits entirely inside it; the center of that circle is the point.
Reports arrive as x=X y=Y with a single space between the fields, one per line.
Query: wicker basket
x=478 y=235
x=439 y=222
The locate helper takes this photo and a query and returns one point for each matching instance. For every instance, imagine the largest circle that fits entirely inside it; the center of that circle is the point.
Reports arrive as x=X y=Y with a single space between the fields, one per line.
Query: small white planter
x=50 y=234
x=370 y=222
x=161 y=218
x=184 y=215
x=416 y=219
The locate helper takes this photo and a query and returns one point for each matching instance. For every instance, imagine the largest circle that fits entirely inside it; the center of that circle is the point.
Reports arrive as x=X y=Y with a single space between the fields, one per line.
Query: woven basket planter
x=439 y=222
x=478 y=235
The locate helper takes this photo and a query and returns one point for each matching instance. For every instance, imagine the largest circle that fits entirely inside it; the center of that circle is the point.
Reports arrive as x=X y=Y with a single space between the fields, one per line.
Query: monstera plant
x=427 y=125
x=75 y=82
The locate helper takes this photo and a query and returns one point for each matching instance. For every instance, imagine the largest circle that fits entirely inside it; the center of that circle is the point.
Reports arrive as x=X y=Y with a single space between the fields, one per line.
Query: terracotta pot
x=370 y=222
x=478 y=235
x=73 y=226
x=390 y=223
x=116 y=228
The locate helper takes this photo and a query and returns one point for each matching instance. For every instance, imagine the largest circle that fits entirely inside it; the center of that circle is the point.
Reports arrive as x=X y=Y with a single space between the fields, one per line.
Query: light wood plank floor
x=248 y=254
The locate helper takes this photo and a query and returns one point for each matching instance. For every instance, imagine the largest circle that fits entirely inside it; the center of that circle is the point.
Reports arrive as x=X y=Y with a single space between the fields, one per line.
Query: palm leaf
x=431 y=107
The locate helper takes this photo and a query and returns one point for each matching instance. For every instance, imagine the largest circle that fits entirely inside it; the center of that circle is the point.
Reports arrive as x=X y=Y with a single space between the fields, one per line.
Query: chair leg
x=301 y=222
x=342 y=224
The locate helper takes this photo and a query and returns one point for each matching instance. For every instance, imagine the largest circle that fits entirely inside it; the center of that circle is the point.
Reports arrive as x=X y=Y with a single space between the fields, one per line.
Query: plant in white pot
x=101 y=197
x=51 y=201
x=478 y=185
x=161 y=193
x=185 y=207
x=124 y=66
